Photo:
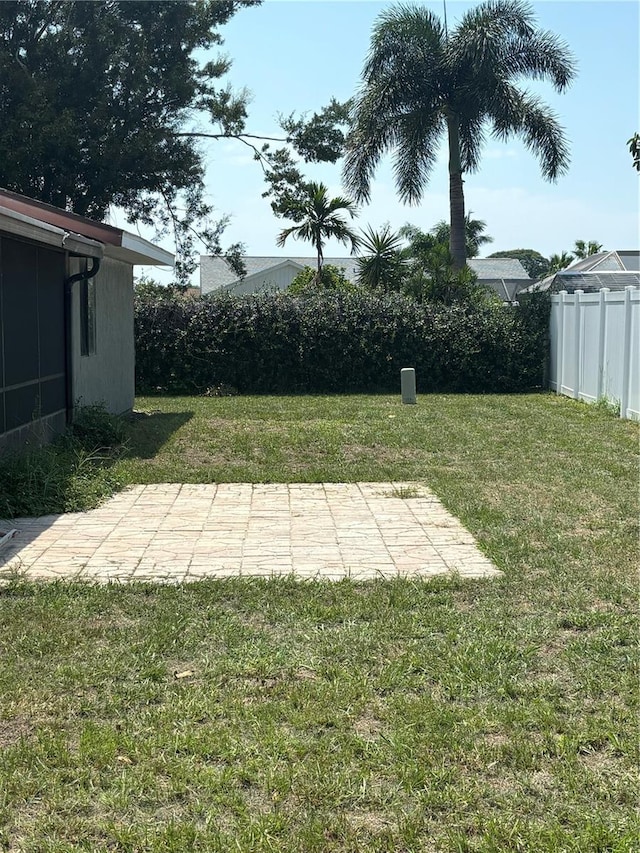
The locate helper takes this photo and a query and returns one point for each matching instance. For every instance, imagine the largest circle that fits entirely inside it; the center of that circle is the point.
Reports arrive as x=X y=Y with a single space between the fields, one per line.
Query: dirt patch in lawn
x=12 y=731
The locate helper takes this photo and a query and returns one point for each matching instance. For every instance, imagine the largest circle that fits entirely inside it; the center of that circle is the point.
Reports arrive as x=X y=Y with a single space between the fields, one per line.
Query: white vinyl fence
x=595 y=347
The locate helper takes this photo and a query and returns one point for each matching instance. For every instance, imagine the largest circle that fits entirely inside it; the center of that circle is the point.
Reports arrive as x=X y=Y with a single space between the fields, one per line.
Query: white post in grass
x=626 y=353
x=408 y=384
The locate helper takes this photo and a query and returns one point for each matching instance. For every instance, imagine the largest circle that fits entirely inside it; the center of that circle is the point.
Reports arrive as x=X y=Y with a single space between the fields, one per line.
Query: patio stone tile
x=229 y=552
x=174 y=533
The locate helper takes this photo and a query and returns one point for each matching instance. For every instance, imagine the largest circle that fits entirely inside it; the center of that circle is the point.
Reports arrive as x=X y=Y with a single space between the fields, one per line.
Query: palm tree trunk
x=456 y=195
x=320 y=258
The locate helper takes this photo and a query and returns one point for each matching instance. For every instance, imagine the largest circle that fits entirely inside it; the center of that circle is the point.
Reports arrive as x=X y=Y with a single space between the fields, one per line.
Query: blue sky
x=295 y=55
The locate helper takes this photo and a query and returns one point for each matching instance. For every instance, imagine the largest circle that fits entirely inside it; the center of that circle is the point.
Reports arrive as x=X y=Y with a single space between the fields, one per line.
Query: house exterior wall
x=106 y=375
x=262 y=273
x=265 y=282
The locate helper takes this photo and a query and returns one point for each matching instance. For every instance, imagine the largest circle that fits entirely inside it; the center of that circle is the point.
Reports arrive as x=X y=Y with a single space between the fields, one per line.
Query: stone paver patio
x=176 y=533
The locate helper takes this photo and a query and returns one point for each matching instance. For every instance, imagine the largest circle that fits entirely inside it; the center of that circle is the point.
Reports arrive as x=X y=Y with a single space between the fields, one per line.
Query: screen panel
x=20 y=311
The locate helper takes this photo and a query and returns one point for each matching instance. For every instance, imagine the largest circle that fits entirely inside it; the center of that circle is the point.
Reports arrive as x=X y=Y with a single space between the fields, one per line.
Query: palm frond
x=498 y=42
x=383 y=265
x=337 y=229
x=382 y=243
x=478 y=45
x=370 y=138
x=526 y=116
x=472 y=139
x=416 y=153
x=541 y=56
x=342 y=203
x=402 y=36
x=286 y=233
x=495 y=20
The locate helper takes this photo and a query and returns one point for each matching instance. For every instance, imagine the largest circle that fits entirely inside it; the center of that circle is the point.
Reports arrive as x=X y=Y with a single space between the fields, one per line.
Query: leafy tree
x=94 y=98
x=332 y=278
x=560 y=262
x=103 y=104
x=535 y=264
x=318 y=220
x=382 y=267
x=474 y=230
x=318 y=139
x=419 y=83
x=584 y=249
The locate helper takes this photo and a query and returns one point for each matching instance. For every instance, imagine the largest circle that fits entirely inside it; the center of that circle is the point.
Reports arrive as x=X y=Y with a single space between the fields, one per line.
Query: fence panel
x=595 y=347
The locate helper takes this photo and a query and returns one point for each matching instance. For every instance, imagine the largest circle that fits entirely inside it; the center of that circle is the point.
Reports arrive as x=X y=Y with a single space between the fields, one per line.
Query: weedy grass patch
x=73 y=473
x=284 y=715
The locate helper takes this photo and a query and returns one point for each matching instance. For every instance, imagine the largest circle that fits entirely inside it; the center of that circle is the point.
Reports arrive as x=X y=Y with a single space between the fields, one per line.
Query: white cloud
x=499 y=154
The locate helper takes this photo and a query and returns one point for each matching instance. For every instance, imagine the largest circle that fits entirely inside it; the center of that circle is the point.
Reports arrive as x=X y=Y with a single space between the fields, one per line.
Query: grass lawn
x=391 y=716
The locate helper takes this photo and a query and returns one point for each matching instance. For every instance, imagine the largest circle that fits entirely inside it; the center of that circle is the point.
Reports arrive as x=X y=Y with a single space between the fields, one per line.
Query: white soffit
x=137 y=250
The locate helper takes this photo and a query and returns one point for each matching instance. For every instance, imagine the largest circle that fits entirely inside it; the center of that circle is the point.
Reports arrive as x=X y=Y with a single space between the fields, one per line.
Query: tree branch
x=241 y=136
x=259 y=155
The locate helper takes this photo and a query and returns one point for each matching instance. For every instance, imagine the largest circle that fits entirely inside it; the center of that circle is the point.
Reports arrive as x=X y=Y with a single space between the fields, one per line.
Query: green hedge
x=279 y=343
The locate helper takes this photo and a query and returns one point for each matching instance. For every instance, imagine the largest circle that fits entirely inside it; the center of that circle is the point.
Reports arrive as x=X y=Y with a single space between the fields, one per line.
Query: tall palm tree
x=474 y=231
x=319 y=220
x=382 y=265
x=419 y=83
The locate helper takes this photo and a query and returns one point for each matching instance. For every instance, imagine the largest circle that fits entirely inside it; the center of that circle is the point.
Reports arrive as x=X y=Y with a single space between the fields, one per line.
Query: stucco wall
x=265 y=282
x=108 y=375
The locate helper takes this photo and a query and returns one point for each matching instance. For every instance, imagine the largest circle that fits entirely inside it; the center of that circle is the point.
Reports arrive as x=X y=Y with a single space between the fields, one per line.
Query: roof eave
x=118 y=244
x=138 y=251
x=20 y=225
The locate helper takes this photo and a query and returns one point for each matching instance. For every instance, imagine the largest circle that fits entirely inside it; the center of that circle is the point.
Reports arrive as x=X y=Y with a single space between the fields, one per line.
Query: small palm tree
x=382 y=265
x=584 y=249
x=474 y=230
x=560 y=262
x=419 y=243
x=428 y=269
x=319 y=220
x=420 y=83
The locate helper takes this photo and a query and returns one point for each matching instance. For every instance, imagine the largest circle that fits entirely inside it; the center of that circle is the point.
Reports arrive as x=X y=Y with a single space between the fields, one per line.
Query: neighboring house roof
x=505 y=275
x=216 y=274
x=614 y=270
x=616 y=261
x=498 y=268
x=33 y=219
x=506 y=288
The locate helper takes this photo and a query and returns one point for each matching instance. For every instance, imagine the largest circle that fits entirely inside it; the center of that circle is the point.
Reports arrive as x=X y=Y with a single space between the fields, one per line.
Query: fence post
x=560 y=342
x=577 y=304
x=626 y=352
x=602 y=317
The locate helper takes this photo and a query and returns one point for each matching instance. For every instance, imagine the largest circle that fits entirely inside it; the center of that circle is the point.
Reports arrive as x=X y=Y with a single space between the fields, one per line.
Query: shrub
x=332 y=278
x=336 y=342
